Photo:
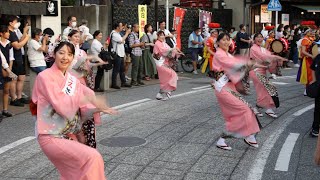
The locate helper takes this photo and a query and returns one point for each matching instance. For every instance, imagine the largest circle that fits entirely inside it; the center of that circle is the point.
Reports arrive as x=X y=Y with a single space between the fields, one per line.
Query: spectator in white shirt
x=166 y=31
x=72 y=24
x=36 y=50
x=95 y=49
x=279 y=33
x=117 y=46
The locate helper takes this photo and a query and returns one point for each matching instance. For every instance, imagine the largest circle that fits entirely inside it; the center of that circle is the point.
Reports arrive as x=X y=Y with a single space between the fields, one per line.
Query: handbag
x=313 y=90
x=107 y=57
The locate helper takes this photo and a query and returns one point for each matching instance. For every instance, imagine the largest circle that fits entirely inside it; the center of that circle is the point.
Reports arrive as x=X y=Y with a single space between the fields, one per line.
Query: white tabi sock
x=251 y=138
x=221 y=142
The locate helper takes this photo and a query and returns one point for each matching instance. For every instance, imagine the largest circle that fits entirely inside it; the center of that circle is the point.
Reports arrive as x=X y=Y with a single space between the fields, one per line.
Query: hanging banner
x=265 y=15
x=285 y=19
x=142 y=13
x=177 y=23
x=204 y=20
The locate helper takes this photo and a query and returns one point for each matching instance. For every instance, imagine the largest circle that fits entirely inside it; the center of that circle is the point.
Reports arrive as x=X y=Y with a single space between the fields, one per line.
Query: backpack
x=111 y=50
x=127 y=47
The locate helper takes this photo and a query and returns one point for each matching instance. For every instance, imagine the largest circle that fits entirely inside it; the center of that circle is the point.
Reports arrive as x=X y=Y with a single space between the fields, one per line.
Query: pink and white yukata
x=84 y=70
x=267 y=95
x=167 y=76
x=61 y=109
x=229 y=73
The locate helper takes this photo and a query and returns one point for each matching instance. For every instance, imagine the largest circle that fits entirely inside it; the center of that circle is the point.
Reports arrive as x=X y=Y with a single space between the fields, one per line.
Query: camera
x=129 y=26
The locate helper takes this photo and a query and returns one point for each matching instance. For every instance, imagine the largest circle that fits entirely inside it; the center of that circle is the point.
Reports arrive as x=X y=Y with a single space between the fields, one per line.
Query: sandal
x=253 y=144
x=147 y=78
x=224 y=147
x=257 y=113
x=271 y=114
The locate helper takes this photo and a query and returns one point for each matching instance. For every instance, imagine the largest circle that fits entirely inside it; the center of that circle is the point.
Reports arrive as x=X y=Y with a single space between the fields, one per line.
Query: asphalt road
x=178 y=138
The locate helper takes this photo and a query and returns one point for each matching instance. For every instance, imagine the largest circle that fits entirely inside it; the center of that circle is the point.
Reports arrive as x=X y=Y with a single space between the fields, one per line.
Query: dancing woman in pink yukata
x=267 y=95
x=164 y=57
x=62 y=104
x=82 y=68
x=229 y=76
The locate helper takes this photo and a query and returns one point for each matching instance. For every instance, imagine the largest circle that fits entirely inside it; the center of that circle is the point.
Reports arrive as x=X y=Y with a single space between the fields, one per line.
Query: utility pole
x=156 y=13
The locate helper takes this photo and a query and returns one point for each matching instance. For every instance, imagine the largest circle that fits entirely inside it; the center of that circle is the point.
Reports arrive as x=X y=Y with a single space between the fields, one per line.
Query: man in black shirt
x=243 y=41
x=18 y=64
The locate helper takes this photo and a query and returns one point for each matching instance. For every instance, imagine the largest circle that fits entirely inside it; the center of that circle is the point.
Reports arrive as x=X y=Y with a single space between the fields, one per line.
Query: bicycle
x=186 y=62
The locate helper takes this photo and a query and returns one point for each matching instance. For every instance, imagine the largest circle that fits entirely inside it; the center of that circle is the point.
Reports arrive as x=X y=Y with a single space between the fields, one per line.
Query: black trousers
x=316 y=118
x=118 y=68
x=98 y=77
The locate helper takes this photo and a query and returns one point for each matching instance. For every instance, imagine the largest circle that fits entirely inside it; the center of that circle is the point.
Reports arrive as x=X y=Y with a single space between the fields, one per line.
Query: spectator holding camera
x=36 y=47
x=18 y=66
x=136 y=56
x=117 y=46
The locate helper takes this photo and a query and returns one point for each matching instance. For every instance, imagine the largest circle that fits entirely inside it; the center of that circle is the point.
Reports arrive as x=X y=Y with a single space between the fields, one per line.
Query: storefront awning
x=308 y=8
x=22 y=8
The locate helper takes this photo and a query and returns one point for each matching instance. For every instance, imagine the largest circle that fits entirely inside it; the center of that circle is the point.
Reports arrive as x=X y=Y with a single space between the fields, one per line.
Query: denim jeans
x=118 y=68
x=38 y=69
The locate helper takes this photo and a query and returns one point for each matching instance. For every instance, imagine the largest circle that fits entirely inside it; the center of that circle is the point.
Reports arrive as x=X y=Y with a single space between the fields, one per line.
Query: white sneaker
x=127 y=78
x=296 y=65
x=24 y=95
x=159 y=96
x=195 y=72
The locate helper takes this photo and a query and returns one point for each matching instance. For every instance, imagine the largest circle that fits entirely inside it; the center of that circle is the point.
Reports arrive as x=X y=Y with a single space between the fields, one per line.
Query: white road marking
x=301 y=111
x=190 y=92
x=131 y=103
x=15 y=144
x=287 y=77
x=285 y=153
x=201 y=87
x=263 y=154
x=280 y=83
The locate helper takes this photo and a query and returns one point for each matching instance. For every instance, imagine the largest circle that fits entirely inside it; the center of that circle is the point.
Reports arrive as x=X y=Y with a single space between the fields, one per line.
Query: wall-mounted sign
x=285 y=19
x=256 y=18
x=266 y=16
x=52 y=8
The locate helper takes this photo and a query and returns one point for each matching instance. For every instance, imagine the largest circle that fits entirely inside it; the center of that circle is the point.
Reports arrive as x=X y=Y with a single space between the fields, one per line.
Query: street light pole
x=156 y=13
x=167 y=14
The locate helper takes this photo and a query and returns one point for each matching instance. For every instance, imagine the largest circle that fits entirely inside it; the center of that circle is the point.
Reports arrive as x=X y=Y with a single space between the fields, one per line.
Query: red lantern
x=214 y=25
x=307 y=23
x=269 y=28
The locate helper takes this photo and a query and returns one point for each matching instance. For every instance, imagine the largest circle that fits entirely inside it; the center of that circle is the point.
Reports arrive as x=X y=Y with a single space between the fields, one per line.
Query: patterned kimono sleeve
x=234 y=67
x=165 y=50
x=87 y=109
